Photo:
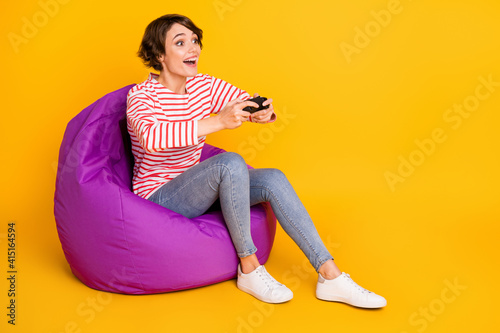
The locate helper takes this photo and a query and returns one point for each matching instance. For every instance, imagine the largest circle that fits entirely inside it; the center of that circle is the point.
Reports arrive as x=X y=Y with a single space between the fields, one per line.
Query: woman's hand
x=263 y=116
x=232 y=115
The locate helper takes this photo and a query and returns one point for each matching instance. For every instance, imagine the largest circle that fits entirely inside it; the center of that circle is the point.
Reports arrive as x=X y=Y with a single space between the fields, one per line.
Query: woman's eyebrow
x=182 y=33
x=178 y=35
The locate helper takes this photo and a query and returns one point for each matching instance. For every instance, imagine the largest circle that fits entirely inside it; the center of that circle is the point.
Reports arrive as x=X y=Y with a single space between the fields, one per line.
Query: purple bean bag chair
x=117 y=241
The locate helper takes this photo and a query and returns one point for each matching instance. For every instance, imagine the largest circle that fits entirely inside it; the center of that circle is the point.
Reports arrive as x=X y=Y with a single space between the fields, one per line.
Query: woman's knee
x=234 y=162
x=275 y=178
x=276 y=174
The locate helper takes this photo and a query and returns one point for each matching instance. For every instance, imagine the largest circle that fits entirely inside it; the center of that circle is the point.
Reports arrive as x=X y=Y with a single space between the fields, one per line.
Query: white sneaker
x=344 y=289
x=260 y=284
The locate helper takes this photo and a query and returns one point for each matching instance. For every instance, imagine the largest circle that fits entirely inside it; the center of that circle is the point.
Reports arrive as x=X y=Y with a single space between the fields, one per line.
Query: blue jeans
x=227 y=178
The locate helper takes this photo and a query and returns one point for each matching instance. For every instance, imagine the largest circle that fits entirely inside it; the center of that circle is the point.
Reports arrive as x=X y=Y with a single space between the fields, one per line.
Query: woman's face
x=182 y=51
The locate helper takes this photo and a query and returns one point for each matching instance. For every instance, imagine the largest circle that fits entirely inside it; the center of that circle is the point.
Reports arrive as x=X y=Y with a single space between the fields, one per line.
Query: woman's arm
x=154 y=134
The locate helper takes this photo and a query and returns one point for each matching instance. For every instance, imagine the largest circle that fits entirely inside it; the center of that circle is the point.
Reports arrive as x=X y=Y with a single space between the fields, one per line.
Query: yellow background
x=345 y=121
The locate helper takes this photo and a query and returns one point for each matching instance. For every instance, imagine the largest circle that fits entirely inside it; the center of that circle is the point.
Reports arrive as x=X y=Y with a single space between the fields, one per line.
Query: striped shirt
x=163 y=127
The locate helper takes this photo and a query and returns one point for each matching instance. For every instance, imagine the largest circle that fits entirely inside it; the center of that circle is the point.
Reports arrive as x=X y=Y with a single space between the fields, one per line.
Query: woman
x=168 y=119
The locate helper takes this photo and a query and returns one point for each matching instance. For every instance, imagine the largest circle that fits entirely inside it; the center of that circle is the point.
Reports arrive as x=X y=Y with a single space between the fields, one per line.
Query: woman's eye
x=179 y=43
x=196 y=41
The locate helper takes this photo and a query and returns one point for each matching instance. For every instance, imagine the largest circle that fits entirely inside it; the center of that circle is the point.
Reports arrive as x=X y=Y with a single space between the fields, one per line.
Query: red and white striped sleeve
x=155 y=135
x=222 y=93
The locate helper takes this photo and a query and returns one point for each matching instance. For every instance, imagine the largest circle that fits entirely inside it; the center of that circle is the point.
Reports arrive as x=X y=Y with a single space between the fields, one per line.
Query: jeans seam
x=233 y=205
x=242 y=238
x=289 y=220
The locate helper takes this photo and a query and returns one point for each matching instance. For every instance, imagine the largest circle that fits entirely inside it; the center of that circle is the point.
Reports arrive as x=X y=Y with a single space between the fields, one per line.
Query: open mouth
x=190 y=62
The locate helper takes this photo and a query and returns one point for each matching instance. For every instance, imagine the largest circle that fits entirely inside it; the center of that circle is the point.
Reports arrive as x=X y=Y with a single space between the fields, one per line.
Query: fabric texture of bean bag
x=119 y=242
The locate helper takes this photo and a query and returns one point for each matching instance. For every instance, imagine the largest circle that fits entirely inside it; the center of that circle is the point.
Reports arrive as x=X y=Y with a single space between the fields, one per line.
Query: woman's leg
x=329 y=270
x=271 y=185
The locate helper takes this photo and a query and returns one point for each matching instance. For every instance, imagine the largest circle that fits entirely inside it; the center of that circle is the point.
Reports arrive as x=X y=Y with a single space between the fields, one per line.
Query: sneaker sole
x=343 y=300
x=263 y=299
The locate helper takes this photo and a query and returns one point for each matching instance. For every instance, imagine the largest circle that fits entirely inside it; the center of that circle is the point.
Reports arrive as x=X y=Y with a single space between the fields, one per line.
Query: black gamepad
x=259 y=100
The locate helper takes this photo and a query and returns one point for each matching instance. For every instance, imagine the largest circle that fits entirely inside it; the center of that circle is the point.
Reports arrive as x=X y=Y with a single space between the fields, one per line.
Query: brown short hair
x=153 y=41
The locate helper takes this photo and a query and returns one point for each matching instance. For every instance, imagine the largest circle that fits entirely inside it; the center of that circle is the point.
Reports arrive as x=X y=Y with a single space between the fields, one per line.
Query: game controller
x=259 y=100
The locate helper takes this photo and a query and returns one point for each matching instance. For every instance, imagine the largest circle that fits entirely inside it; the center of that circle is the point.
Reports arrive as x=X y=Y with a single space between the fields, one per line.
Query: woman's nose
x=193 y=48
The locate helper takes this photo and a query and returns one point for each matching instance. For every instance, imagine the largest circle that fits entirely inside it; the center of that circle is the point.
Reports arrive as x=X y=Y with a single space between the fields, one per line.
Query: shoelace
x=363 y=290
x=270 y=282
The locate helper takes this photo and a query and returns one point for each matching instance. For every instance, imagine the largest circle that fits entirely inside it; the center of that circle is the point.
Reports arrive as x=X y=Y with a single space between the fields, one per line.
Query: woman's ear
x=160 y=59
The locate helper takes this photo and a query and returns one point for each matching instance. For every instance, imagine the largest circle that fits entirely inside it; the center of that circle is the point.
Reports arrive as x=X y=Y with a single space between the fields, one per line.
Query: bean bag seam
x=122 y=220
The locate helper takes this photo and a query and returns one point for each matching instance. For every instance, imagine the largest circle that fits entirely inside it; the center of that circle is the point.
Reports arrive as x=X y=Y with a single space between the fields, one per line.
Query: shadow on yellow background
x=388 y=129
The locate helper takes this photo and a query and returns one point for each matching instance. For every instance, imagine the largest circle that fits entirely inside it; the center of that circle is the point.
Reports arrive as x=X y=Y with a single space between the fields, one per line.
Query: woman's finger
x=267 y=101
x=246 y=103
